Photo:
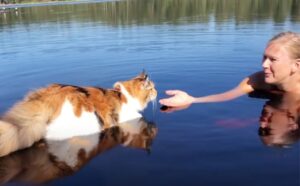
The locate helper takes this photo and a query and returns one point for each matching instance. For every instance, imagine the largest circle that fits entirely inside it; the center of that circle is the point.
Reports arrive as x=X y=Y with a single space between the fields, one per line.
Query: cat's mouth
x=153 y=97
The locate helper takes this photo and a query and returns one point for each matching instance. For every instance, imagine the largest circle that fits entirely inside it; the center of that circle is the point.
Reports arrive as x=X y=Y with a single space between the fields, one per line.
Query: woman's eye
x=273 y=59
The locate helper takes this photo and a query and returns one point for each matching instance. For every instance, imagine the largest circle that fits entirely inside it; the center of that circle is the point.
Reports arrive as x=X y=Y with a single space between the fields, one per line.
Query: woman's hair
x=290 y=40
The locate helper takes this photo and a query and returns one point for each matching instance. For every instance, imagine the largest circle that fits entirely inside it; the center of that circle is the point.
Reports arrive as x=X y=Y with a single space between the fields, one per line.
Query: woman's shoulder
x=254 y=82
x=257 y=81
x=261 y=89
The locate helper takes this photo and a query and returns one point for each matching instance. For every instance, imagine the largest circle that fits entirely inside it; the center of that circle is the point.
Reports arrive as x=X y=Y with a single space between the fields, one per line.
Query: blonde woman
x=281 y=72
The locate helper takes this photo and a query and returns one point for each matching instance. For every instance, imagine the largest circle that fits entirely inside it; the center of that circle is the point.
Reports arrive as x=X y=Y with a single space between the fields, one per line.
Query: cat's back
x=75 y=110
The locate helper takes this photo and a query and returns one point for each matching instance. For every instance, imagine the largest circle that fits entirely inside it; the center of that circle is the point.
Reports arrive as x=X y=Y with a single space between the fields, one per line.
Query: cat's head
x=139 y=89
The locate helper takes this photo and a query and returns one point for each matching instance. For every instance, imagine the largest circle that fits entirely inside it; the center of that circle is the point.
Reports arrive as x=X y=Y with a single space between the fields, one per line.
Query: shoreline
x=49 y=3
x=30 y=4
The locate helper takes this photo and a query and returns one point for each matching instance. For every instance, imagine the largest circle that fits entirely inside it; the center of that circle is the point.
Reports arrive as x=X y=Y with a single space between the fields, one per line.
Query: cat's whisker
x=154 y=107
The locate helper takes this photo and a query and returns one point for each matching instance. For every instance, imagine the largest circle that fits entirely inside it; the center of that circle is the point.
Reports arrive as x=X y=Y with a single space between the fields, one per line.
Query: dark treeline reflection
x=131 y=12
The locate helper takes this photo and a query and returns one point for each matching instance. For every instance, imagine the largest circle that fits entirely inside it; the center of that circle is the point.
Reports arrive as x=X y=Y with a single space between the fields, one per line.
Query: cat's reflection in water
x=49 y=160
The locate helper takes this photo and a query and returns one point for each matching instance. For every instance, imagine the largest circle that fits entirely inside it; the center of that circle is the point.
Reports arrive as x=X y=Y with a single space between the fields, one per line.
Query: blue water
x=201 y=47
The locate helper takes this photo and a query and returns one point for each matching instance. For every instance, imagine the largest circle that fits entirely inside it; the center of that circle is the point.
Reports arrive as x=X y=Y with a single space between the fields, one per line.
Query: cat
x=59 y=112
x=57 y=159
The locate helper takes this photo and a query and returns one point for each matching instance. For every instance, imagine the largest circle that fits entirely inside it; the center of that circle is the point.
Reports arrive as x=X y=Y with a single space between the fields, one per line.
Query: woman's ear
x=298 y=63
x=296 y=66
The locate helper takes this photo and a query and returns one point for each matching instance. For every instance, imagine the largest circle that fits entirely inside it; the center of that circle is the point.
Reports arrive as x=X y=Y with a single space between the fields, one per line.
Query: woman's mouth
x=267 y=74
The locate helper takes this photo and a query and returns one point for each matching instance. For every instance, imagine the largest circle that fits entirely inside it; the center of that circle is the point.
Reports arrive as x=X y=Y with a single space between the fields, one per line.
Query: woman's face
x=277 y=64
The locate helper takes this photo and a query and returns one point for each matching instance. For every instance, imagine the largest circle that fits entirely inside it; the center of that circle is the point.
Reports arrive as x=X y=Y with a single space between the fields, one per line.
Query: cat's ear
x=117 y=86
x=147 y=83
x=143 y=75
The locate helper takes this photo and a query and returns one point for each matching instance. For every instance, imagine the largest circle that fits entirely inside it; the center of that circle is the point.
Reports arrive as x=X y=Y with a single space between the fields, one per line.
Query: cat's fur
x=56 y=159
x=59 y=112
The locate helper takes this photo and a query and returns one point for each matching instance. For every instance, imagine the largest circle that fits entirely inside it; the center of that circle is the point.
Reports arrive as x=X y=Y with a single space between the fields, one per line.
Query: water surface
x=201 y=46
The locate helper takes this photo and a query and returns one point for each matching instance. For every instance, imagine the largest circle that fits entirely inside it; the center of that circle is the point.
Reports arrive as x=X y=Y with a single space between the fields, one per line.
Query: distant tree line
x=24 y=1
x=8 y=1
x=145 y=12
x=4 y=1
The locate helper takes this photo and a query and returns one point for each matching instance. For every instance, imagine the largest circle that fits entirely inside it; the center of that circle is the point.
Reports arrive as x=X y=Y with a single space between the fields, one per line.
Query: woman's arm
x=243 y=88
x=180 y=98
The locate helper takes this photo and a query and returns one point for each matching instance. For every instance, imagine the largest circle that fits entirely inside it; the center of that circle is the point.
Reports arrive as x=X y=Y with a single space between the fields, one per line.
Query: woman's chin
x=269 y=80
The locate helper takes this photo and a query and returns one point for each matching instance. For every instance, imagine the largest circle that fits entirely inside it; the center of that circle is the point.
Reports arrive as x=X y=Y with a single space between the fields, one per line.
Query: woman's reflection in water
x=279 y=121
x=49 y=160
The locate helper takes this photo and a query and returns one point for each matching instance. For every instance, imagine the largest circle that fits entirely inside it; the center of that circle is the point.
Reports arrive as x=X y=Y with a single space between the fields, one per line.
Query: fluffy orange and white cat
x=59 y=112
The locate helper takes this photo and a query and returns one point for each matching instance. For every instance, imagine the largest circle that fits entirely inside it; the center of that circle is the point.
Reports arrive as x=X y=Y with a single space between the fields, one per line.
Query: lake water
x=200 y=46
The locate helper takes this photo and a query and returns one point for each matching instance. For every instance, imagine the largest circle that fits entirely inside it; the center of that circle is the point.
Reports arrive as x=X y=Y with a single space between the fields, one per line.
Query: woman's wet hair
x=290 y=40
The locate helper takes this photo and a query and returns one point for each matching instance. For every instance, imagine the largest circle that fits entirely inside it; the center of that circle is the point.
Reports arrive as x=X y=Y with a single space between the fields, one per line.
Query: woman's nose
x=266 y=63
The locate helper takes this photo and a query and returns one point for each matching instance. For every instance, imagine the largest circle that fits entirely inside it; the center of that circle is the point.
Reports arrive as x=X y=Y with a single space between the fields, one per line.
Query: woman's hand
x=179 y=98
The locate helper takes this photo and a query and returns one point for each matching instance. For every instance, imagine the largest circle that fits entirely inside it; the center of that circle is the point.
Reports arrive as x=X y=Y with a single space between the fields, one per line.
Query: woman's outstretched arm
x=180 y=98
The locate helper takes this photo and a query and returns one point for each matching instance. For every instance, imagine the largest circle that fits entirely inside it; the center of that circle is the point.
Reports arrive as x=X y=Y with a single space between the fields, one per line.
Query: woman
x=281 y=72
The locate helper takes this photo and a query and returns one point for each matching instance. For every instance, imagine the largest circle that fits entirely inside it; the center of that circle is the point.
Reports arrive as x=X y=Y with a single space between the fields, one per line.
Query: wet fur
x=27 y=121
